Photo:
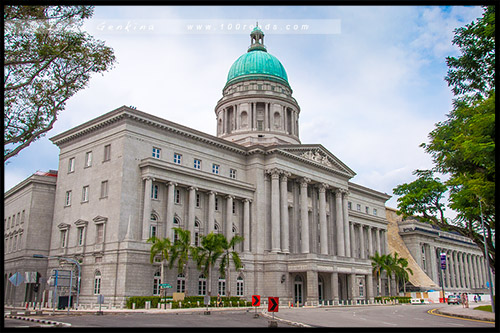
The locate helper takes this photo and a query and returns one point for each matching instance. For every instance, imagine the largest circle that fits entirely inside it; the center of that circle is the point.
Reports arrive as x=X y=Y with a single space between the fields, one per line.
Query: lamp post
x=70 y=287
x=487 y=263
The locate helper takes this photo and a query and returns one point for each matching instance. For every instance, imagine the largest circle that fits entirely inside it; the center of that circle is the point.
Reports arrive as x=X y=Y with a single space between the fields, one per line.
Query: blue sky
x=370 y=91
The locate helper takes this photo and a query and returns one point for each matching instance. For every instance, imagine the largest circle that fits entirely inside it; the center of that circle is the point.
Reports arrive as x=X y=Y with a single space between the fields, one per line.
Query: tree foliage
x=463 y=146
x=47 y=60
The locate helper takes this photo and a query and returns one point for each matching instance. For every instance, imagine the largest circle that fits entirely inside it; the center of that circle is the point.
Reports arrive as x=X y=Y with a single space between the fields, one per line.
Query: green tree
x=229 y=255
x=378 y=267
x=47 y=59
x=207 y=254
x=162 y=248
x=179 y=253
x=390 y=268
x=463 y=146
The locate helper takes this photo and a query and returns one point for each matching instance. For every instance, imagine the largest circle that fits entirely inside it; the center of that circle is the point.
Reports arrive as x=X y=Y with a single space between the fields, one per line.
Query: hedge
x=188 y=302
x=400 y=299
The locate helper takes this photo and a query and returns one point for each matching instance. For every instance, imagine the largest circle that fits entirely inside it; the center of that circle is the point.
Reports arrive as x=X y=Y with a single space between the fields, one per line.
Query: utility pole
x=487 y=261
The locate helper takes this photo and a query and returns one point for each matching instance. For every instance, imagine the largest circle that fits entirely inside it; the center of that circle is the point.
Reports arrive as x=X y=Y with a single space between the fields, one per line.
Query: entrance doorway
x=320 y=289
x=298 y=288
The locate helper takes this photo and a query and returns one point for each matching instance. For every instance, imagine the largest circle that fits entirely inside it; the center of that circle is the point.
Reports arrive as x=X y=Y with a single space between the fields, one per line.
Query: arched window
x=202 y=285
x=177 y=224
x=156 y=283
x=239 y=286
x=216 y=228
x=181 y=283
x=197 y=226
x=153 y=226
x=97 y=283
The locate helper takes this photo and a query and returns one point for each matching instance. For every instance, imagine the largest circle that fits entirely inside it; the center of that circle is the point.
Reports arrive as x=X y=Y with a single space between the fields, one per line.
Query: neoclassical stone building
x=128 y=175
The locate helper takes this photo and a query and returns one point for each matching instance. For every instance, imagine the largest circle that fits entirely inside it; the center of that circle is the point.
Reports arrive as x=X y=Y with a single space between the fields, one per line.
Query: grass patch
x=486 y=308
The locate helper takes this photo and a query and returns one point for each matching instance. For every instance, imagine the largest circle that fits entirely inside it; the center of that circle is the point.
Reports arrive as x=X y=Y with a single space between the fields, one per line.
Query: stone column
x=345 y=215
x=323 y=236
x=466 y=269
x=362 y=250
x=312 y=287
x=370 y=242
x=229 y=217
x=369 y=288
x=433 y=263
x=453 y=270
x=462 y=270
x=353 y=244
x=246 y=225
x=484 y=272
x=335 y=287
x=352 y=287
x=191 y=205
x=285 y=229
x=146 y=214
x=275 y=209
x=377 y=240
x=304 y=216
x=170 y=210
x=339 y=222
x=211 y=211
x=471 y=271
x=447 y=270
x=266 y=117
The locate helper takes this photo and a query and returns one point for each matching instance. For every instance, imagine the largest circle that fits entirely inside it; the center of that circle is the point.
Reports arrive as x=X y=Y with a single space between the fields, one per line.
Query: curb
x=459 y=315
x=42 y=321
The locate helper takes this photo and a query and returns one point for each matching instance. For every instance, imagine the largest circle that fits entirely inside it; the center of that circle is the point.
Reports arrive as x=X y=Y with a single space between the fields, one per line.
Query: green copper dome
x=257 y=63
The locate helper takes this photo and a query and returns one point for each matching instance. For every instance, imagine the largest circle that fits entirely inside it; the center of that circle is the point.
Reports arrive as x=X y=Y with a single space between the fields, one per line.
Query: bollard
x=133 y=306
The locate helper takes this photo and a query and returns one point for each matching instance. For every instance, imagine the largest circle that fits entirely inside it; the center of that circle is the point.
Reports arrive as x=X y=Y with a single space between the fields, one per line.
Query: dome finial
x=257 y=39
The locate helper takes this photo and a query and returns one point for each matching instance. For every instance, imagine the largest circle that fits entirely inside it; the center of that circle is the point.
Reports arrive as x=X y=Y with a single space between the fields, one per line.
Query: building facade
x=127 y=175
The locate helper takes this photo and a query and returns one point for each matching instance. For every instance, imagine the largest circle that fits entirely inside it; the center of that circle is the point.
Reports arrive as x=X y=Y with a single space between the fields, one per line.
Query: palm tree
x=161 y=247
x=228 y=256
x=207 y=254
x=179 y=253
x=402 y=270
x=390 y=268
x=378 y=266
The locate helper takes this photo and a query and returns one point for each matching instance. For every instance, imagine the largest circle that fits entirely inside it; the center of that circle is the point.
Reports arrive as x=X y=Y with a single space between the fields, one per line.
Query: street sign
x=165 y=285
x=206 y=300
x=255 y=300
x=100 y=299
x=273 y=304
x=443 y=260
x=16 y=279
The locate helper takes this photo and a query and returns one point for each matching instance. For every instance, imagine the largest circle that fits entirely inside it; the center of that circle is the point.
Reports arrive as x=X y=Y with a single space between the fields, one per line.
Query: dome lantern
x=257 y=40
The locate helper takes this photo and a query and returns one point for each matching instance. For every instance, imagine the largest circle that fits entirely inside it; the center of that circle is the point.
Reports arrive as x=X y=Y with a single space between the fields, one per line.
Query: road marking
x=383 y=322
x=441 y=315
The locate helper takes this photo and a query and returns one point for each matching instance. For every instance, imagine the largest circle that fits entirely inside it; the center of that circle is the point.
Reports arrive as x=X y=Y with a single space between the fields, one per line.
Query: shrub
x=188 y=302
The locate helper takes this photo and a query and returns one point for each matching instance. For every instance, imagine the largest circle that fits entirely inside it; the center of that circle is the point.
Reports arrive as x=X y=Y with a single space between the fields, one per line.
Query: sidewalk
x=469 y=313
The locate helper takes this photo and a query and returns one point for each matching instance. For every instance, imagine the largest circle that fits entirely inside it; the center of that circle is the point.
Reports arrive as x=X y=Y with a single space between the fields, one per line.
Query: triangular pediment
x=317 y=155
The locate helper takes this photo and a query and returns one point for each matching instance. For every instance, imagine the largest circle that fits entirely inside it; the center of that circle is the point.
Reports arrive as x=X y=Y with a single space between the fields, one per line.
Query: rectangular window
x=152 y=231
x=18 y=218
x=349 y=205
x=85 y=194
x=197 y=164
x=215 y=168
x=358 y=207
x=99 y=233
x=232 y=173
x=374 y=211
x=181 y=285
x=216 y=203
x=22 y=217
x=367 y=210
x=104 y=189
x=88 y=159
x=222 y=287
x=177 y=198
x=154 y=191
x=198 y=200
x=156 y=152
x=63 y=237
x=239 y=288
x=67 y=200
x=79 y=234
x=107 y=153
x=177 y=158
x=97 y=285
x=71 y=165
x=202 y=287
x=234 y=207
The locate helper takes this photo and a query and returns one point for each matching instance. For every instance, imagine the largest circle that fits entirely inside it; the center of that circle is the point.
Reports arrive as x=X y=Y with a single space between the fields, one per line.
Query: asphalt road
x=239 y=318
x=397 y=316
x=376 y=316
